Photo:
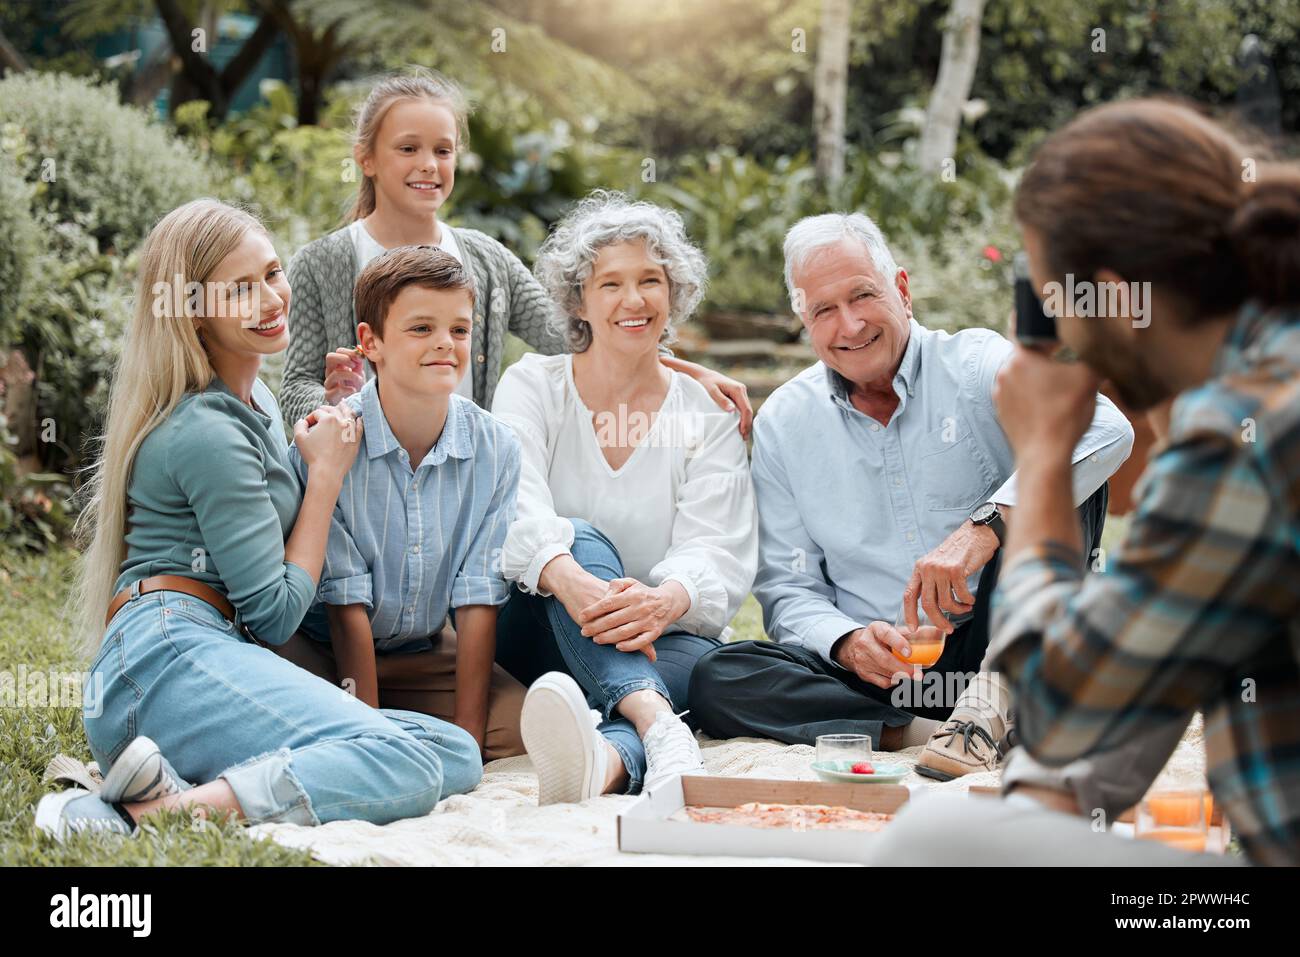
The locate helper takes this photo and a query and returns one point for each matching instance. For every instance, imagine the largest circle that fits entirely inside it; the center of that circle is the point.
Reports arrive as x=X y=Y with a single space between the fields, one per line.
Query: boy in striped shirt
x=421 y=517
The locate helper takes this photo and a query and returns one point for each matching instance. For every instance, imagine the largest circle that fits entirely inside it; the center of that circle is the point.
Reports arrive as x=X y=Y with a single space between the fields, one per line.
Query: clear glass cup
x=925 y=643
x=843 y=750
x=1175 y=817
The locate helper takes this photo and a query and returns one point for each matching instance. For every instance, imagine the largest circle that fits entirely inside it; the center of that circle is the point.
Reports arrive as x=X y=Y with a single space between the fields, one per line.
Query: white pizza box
x=653 y=823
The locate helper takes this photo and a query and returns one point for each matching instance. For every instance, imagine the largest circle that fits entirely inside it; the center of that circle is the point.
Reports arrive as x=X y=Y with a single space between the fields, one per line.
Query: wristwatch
x=989 y=514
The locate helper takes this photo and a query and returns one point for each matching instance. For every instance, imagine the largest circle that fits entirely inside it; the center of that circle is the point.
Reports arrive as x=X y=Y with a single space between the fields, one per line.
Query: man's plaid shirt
x=1200 y=606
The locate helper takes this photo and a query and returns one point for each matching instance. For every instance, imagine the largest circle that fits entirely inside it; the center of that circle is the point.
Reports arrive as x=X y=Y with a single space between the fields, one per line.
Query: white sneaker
x=561 y=738
x=670 y=750
x=141 y=773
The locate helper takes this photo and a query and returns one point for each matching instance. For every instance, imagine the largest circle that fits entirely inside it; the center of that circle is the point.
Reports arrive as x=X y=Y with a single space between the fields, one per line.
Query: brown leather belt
x=187 y=586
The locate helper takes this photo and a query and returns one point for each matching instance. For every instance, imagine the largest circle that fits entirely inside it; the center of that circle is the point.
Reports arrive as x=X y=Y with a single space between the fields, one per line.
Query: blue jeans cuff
x=269 y=792
x=627 y=687
x=633 y=768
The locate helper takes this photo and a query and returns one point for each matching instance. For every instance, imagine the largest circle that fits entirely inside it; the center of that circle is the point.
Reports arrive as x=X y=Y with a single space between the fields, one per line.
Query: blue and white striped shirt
x=410 y=544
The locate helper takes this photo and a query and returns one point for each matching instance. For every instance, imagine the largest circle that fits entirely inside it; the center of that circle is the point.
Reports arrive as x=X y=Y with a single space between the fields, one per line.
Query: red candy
x=863 y=767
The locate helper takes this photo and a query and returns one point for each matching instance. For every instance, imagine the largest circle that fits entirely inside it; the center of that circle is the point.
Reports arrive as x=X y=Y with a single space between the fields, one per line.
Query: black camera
x=1034 y=324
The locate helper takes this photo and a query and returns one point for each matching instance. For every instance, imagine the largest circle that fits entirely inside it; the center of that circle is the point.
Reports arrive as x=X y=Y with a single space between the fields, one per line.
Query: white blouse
x=681 y=508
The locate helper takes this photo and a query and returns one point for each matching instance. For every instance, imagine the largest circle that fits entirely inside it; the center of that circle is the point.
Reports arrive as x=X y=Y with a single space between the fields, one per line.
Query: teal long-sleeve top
x=212 y=497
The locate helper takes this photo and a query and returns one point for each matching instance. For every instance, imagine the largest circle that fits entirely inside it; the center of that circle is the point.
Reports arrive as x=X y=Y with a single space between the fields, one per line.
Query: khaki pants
x=947 y=830
x=425 y=682
x=961 y=830
x=1108 y=781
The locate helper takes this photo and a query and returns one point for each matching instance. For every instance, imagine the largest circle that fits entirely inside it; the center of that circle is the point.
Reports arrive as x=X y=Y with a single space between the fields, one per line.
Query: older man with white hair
x=883 y=481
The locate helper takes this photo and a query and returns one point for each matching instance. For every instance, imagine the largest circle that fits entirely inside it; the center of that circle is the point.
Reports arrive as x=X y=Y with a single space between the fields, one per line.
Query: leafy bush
x=965 y=281
x=520 y=176
x=738 y=210
x=106 y=168
x=35 y=510
x=300 y=179
x=82 y=181
x=21 y=239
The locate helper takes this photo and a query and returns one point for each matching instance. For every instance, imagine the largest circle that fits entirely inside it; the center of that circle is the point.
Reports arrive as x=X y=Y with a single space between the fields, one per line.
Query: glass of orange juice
x=1175 y=817
x=925 y=643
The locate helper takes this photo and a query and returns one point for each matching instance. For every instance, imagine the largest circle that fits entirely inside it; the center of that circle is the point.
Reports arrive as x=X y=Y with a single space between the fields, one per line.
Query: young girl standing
x=204 y=551
x=409 y=132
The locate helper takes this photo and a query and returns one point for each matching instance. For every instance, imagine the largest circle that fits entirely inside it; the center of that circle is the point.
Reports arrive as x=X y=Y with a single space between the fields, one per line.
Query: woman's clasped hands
x=631 y=615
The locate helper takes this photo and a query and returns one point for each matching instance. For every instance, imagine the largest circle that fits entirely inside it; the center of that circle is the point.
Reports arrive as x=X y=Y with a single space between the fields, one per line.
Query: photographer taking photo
x=1199 y=608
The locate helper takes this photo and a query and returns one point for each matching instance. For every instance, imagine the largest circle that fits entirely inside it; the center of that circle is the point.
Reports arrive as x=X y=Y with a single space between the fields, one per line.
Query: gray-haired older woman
x=635 y=539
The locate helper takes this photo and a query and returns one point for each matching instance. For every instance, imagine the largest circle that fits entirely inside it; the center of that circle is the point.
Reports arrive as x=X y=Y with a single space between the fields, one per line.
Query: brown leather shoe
x=956 y=749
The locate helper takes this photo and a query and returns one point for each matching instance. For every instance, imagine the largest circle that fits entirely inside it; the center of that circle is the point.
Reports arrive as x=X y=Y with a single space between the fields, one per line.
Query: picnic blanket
x=499 y=822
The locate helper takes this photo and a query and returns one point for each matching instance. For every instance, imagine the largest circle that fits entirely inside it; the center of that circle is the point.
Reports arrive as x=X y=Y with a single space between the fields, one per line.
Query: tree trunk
x=316 y=57
x=10 y=58
x=960 y=54
x=183 y=90
x=309 y=98
x=830 y=90
x=198 y=77
x=145 y=83
x=18 y=399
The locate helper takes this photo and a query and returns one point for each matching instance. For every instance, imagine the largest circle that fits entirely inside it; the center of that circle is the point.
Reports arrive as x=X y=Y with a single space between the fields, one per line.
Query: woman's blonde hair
x=415 y=85
x=162 y=359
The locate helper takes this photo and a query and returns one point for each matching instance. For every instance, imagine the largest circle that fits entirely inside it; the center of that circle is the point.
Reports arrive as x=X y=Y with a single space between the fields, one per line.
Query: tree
x=957 y=62
x=199 y=79
x=318 y=32
x=318 y=50
x=830 y=90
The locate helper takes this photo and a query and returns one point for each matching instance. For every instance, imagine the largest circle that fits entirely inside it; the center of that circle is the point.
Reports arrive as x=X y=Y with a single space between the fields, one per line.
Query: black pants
x=766 y=689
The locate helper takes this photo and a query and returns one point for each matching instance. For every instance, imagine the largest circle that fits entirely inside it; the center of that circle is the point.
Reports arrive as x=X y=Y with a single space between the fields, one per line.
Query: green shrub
x=35 y=509
x=522 y=172
x=98 y=175
x=738 y=210
x=82 y=181
x=963 y=280
x=299 y=179
x=21 y=240
x=109 y=169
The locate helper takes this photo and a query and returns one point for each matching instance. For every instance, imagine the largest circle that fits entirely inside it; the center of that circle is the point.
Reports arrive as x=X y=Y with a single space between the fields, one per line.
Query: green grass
x=33 y=590
x=748 y=623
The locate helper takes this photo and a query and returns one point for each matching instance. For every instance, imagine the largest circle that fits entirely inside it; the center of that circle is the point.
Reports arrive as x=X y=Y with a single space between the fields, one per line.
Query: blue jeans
x=292 y=747
x=536 y=635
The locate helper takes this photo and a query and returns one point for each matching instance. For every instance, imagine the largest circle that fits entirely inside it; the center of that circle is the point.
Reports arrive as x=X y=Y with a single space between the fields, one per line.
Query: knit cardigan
x=322 y=317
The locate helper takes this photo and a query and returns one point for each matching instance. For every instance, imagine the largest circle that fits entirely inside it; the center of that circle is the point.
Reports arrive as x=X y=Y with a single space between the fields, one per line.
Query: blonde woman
x=204 y=551
x=409 y=132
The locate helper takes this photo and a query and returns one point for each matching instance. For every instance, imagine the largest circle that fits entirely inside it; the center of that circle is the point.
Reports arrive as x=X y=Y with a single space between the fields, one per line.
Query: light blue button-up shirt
x=411 y=543
x=846 y=505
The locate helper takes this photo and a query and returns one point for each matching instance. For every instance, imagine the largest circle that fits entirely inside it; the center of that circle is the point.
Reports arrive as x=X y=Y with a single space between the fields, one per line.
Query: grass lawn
x=33 y=589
